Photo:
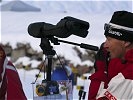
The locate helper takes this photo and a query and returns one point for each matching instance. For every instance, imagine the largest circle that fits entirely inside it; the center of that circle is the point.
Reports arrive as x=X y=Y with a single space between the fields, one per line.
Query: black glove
x=101 y=59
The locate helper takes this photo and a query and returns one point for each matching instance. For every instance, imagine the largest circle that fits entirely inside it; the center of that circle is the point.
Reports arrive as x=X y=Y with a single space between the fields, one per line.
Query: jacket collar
x=129 y=55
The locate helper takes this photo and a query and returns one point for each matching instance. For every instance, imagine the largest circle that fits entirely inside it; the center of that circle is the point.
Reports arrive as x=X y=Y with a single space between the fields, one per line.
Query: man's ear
x=127 y=44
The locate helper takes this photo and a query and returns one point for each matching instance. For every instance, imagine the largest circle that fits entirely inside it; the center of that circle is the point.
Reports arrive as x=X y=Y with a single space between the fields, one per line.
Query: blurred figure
x=62 y=72
x=14 y=86
x=10 y=84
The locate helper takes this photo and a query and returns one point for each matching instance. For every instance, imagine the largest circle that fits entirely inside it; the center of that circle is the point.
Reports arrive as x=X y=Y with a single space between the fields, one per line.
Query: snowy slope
x=80 y=6
x=84 y=6
x=18 y=6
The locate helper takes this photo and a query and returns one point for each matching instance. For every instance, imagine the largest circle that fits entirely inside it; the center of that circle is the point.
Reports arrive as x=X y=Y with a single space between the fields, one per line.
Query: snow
x=80 y=6
x=14 y=29
x=26 y=61
x=18 y=6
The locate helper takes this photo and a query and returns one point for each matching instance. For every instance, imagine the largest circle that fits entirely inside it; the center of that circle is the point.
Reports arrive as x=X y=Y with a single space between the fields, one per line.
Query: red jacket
x=14 y=86
x=115 y=67
x=3 y=81
x=10 y=84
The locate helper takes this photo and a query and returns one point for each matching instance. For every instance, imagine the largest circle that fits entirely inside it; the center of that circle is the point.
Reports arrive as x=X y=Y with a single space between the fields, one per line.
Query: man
x=113 y=79
x=10 y=84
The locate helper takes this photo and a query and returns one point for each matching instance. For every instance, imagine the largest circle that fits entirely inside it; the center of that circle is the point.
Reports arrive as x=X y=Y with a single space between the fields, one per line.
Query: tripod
x=49 y=52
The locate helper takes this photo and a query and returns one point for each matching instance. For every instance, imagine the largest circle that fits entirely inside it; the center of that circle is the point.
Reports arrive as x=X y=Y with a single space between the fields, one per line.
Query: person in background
x=10 y=84
x=113 y=78
x=3 y=81
x=62 y=72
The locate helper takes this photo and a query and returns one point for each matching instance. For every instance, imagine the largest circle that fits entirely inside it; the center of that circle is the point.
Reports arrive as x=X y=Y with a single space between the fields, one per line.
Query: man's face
x=115 y=47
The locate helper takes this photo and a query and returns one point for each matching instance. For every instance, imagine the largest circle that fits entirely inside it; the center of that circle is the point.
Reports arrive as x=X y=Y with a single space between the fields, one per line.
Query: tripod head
x=46 y=47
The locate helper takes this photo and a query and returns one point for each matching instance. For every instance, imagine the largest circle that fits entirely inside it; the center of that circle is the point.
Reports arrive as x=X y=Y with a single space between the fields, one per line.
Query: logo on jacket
x=109 y=95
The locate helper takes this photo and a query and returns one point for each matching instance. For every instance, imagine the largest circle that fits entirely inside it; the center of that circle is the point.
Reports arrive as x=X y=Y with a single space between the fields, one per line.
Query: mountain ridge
x=80 y=6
